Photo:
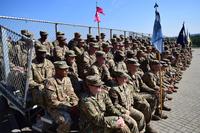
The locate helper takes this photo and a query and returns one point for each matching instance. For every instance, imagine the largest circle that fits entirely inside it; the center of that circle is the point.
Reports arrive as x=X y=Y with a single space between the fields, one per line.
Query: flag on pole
x=99 y=10
x=157 y=37
x=97 y=17
x=182 y=37
x=188 y=39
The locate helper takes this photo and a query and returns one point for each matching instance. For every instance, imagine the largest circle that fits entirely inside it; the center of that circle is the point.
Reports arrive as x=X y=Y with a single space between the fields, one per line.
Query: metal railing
x=51 y=27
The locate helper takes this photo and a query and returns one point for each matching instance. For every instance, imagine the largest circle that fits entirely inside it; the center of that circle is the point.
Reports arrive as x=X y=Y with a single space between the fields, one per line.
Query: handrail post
x=110 y=33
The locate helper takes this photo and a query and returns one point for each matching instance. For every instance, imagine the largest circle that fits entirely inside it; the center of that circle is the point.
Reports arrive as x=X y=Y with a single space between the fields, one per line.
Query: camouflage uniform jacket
x=101 y=71
x=60 y=94
x=49 y=46
x=94 y=112
x=122 y=97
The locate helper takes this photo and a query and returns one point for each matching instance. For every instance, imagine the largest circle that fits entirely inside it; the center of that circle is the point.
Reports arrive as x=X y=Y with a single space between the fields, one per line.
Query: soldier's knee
x=124 y=129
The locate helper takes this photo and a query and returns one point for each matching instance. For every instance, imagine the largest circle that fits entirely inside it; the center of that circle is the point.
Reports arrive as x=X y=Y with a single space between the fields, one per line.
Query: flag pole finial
x=156 y=6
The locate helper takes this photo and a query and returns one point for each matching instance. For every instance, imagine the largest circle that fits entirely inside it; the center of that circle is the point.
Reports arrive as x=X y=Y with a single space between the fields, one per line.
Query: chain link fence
x=15 y=59
x=34 y=26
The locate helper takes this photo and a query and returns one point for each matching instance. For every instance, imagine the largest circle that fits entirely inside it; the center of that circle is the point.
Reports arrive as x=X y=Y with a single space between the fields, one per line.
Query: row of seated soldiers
x=105 y=86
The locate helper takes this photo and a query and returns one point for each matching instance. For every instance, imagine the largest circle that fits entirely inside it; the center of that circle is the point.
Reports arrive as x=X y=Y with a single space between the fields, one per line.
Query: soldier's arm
x=115 y=100
x=51 y=99
x=144 y=87
x=73 y=99
x=110 y=107
x=32 y=83
x=50 y=70
x=91 y=113
x=148 y=80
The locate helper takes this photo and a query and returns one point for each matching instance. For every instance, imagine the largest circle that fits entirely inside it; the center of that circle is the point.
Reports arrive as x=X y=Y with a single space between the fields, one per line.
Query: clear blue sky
x=134 y=15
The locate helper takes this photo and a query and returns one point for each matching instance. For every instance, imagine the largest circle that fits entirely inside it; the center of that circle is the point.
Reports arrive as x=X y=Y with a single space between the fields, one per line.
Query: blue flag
x=157 y=37
x=182 y=37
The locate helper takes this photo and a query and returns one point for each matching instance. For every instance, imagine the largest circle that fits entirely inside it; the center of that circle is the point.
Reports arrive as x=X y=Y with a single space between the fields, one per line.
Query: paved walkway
x=185 y=114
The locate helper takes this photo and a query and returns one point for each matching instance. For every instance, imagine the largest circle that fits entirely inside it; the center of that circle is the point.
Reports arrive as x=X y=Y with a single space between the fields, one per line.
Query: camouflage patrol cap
x=89 y=36
x=40 y=48
x=119 y=53
x=81 y=40
x=133 y=62
x=127 y=41
x=61 y=65
x=43 y=33
x=23 y=32
x=106 y=45
x=28 y=34
x=94 y=81
x=70 y=53
x=60 y=33
x=103 y=34
x=154 y=62
x=100 y=54
x=60 y=36
x=114 y=35
x=113 y=40
x=121 y=74
x=77 y=34
x=130 y=53
x=94 y=45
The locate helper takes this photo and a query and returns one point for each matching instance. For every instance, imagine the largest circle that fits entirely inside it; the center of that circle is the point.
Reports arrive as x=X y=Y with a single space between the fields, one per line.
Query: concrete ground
x=185 y=114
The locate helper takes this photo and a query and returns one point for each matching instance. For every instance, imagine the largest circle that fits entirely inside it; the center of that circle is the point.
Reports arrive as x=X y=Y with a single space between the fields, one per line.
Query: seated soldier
x=70 y=58
x=60 y=50
x=142 y=93
x=60 y=98
x=87 y=59
x=100 y=69
x=151 y=79
x=44 y=41
x=42 y=69
x=97 y=113
x=122 y=97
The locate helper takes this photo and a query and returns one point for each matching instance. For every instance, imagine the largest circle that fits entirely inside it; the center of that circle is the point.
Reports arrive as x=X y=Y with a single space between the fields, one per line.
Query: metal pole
x=56 y=29
x=124 y=34
x=90 y=30
x=6 y=64
x=110 y=33
x=30 y=53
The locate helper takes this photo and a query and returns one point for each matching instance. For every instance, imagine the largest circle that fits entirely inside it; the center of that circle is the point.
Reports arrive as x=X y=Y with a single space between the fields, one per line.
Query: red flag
x=97 y=17
x=100 y=10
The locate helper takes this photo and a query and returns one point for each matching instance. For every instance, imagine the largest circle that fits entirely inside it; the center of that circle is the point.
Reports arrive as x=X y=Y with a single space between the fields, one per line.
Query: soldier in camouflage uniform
x=97 y=113
x=60 y=98
x=142 y=93
x=60 y=50
x=151 y=79
x=122 y=97
x=59 y=36
x=42 y=69
x=88 y=58
x=74 y=42
x=100 y=69
x=73 y=70
x=43 y=40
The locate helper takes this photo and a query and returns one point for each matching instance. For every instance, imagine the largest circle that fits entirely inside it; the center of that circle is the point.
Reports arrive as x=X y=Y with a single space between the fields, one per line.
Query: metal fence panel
x=16 y=62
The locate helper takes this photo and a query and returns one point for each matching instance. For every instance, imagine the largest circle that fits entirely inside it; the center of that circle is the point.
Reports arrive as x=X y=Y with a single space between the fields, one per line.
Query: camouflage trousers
x=139 y=118
x=110 y=126
x=143 y=106
x=62 y=118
